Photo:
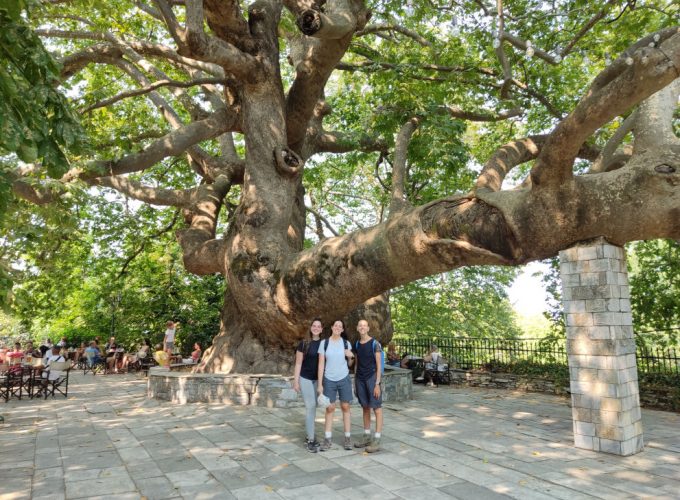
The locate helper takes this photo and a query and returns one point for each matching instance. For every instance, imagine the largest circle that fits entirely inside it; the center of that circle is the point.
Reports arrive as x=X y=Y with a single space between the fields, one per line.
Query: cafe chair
x=93 y=366
x=60 y=384
x=439 y=373
x=11 y=382
x=146 y=361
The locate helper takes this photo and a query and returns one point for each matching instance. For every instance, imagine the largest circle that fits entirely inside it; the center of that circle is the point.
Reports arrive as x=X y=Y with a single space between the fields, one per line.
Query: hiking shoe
x=348 y=443
x=307 y=441
x=363 y=444
x=313 y=446
x=326 y=445
x=374 y=446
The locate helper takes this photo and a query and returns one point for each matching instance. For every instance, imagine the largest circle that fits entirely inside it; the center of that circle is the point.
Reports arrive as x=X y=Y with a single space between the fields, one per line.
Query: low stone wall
x=183 y=387
x=662 y=398
x=510 y=381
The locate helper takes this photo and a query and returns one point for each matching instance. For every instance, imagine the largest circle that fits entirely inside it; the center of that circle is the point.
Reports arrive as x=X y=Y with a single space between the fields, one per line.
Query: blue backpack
x=382 y=354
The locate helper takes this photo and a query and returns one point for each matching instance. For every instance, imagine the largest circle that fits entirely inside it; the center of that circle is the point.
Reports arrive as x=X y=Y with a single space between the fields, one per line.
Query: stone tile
x=233 y=479
x=178 y=464
x=192 y=477
x=211 y=490
x=144 y=470
x=156 y=488
x=465 y=491
x=312 y=491
x=258 y=492
x=100 y=486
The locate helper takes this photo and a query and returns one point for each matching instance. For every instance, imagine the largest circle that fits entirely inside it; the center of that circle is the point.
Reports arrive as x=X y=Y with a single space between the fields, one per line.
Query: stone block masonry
x=601 y=349
x=272 y=391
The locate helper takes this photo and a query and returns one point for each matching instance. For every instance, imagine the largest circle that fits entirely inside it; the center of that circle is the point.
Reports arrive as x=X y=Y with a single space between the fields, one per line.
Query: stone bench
x=178 y=385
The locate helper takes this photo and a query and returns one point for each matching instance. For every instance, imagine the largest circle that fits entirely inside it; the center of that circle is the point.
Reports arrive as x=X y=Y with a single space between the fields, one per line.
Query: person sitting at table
x=161 y=356
x=434 y=362
x=80 y=352
x=51 y=356
x=92 y=353
x=110 y=350
x=45 y=346
x=196 y=354
x=393 y=357
x=29 y=349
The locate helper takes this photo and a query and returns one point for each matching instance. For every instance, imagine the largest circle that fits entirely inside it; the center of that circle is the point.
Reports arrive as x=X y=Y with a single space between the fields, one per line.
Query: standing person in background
x=305 y=379
x=169 y=338
x=334 y=381
x=367 y=380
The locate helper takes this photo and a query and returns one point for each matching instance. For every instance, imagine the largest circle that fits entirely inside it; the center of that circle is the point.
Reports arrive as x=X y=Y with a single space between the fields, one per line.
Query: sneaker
x=374 y=446
x=326 y=445
x=348 y=443
x=313 y=446
x=363 y=444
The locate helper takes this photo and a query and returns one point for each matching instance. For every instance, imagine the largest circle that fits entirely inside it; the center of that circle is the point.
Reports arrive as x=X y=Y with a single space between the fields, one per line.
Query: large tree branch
x=611 y=94
x=376 y=28
x=516 y=153
x=147 y=194
x=314 y=60
x=338 y=142
x=75 y=62
x=398 y=201
x=202 y=253
x=148 y=88
x=608 y=158
x=506 y=227
x=654 y=121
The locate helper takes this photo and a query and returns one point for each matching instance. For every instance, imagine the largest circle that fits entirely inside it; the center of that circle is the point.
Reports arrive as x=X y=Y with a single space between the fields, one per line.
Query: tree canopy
x=322 y=153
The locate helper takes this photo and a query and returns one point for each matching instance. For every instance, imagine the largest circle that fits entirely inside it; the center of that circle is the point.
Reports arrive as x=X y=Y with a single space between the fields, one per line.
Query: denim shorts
x=342 y=388
x=364 y=389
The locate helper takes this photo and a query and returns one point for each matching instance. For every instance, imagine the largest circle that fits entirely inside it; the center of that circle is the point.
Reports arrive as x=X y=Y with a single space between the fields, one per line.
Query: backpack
x=382 y=355
x=347 y=346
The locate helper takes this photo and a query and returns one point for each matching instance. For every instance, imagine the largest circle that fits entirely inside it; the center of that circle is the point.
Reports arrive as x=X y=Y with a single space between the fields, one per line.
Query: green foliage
x=469 y=302
x=654 y=276
x=36 y=122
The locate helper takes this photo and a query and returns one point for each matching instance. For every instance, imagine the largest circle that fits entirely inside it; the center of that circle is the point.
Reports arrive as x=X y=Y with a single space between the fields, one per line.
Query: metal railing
x=475 y=353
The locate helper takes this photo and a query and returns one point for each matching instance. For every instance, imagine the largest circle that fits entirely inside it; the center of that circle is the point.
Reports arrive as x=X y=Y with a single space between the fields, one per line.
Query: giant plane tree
x=229 y=111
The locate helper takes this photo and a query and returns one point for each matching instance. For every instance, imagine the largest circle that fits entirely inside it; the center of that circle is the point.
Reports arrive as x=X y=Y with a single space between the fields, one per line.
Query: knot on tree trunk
x=287 y=162
x=309 y=22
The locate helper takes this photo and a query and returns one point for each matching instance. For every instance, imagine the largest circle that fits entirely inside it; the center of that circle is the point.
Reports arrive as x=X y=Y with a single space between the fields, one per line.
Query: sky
x=527 y=294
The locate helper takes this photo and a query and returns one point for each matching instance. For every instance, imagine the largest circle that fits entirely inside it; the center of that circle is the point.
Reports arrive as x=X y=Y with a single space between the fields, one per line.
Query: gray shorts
x=169 y=346
x=364 y=389
x=342 y=388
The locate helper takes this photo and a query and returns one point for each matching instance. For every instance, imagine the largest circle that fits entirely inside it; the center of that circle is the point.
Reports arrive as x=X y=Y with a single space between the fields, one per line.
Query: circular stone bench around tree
x=180 y=385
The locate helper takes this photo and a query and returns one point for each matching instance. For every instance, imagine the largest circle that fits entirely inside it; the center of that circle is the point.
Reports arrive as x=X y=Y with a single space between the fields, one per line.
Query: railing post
x=601 y=349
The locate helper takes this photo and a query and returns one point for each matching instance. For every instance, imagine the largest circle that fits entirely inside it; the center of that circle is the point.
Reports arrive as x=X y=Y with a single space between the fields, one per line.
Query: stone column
x=601 y=349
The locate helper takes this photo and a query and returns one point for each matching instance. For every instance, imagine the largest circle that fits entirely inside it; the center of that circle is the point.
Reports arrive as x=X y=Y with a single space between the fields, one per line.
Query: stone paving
x=107 y=441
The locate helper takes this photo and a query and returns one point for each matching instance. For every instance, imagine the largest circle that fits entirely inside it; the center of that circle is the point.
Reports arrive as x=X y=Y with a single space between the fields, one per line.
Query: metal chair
x=439 y=373
x=60 y=383
x=92 y=364
x=11 y=382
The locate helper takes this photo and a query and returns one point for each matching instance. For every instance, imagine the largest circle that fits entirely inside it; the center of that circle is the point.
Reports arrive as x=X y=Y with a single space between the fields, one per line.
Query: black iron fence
x=475 y=353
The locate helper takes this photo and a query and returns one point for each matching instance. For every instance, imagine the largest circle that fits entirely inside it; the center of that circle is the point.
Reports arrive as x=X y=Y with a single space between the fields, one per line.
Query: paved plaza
x=107 y=441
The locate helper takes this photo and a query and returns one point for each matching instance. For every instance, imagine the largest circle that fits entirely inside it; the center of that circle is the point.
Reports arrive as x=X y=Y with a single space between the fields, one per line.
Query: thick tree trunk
x=239 y=347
